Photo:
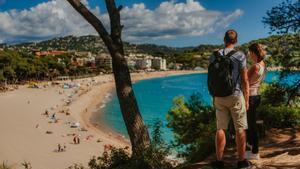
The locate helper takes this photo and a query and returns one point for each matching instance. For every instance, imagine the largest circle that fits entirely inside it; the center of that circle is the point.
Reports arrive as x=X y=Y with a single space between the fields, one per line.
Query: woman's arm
x=254 y=69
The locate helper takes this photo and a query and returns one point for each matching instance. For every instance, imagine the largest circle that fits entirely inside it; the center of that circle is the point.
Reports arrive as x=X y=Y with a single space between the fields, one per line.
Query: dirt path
x=279 y=149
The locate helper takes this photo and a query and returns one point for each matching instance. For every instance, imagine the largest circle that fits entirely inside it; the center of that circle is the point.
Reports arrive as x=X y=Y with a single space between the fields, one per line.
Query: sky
x=175 y=23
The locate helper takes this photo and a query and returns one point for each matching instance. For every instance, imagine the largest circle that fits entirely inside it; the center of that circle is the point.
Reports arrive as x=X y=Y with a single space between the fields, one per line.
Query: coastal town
x=135 y=61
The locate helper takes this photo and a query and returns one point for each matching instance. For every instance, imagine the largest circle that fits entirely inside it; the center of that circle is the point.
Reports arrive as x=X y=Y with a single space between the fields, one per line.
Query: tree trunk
x=137 y=131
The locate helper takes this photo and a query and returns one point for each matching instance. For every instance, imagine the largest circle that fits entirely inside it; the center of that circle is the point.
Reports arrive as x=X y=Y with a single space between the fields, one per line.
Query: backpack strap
x=230 y=53
x=217 y=54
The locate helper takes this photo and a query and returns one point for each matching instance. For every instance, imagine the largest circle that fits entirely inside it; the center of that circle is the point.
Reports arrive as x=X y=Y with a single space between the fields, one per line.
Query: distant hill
x=83 y=43
x=95 y=45
x=190 y=57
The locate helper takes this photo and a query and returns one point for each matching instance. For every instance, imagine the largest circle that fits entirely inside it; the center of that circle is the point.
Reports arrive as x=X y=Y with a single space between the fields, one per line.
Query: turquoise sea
x=155 y=97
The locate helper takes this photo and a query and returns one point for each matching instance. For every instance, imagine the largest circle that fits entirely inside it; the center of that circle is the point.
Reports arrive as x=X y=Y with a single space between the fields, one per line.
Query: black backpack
x=220 y=79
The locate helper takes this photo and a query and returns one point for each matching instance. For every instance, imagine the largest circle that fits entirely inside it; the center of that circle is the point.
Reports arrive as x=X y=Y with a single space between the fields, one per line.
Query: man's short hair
x=231 y=36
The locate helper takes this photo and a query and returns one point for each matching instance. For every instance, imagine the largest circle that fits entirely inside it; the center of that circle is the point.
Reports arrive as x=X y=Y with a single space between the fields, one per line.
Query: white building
x=143 y=63
x=138 y=55
x=83 y=58
x=131 y=62
x=159 y=63
x=83 y=54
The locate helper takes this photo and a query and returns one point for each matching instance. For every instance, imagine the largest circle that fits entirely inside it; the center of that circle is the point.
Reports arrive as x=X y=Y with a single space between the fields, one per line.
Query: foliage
x=190 y=57
x=281 y=116
x=152 y=157
x=16 y=67
x=120 y=159
x=284 y=17
x=153 y=49
x=274 y=94
x=193 y=126
x=274 y=110
x=2 y=78
x=76 y=166
x=157 y=139
x=108 y=160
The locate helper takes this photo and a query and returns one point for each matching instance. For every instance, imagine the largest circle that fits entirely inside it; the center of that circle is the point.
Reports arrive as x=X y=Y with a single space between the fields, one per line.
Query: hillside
x=189 y=57
x=93 y=44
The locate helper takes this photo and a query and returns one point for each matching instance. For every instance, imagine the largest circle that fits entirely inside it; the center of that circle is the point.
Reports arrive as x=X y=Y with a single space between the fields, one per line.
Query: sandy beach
x=28 y=135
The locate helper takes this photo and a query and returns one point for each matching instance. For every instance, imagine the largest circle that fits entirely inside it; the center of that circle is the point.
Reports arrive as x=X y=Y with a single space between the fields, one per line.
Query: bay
x=155 y=98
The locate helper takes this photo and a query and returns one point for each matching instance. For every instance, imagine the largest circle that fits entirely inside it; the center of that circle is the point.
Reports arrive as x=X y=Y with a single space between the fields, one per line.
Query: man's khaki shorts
x=231 y=106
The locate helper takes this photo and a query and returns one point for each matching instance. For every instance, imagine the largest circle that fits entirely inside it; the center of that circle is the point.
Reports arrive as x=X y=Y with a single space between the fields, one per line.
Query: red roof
x=47 y=53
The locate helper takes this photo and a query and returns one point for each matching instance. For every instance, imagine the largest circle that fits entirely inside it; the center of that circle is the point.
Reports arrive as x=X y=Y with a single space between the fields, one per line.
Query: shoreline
x=88 y=117
x=25 y=129
x=28 y=135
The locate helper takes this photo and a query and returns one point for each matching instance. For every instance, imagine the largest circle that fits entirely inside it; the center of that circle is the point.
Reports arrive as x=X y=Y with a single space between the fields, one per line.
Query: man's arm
x=245 y=84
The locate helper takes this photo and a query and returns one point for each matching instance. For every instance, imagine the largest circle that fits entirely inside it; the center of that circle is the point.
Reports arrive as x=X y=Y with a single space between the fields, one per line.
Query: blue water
x=155 y=97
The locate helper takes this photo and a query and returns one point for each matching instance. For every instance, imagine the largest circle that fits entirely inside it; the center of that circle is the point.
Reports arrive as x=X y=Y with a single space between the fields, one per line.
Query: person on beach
x=78 y=139
x=65 y=147
x=53 y=116
x=46 y=113
x=59 y=149
x=256 y=74
x=75 y=139
x=228 y=84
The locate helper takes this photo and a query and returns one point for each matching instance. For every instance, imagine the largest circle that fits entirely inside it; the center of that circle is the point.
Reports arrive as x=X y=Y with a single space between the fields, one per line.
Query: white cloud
x=48 y=19
x=172 y=19
x=169 y=20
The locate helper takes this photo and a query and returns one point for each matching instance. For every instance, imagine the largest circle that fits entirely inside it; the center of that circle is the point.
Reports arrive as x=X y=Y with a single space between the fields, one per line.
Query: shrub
x=193 y=125
x=274 y=94
x=274 y=109
x=76 y=166
x=113 y=159
x=153 y=157
x=280 y=116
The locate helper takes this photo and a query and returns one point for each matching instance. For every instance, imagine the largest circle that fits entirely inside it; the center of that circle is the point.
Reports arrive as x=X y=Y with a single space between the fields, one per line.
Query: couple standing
x=235 y=91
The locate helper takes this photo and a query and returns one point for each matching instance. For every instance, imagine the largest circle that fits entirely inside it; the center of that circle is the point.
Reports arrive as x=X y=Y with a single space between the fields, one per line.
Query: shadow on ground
x=279 y=149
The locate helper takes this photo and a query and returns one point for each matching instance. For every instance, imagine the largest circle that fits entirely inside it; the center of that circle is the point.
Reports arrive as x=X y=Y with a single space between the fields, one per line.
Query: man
x=231 y=104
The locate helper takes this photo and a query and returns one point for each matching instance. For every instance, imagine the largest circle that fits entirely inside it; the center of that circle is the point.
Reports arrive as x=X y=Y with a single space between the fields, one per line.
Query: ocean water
x=155 y=97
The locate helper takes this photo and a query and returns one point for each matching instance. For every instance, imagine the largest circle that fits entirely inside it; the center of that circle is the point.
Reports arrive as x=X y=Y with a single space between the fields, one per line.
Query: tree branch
x=137 y=131
x=94 y=21
x=115 y=23
x=114 y=17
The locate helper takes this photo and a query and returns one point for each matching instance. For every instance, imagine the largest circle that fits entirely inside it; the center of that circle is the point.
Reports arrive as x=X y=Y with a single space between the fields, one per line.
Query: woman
x=256 y=74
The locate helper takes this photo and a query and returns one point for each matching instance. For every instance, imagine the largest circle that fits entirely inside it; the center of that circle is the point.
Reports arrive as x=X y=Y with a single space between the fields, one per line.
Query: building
x=41 y=54
x=83 y=59
x=131 y=62
x=83 y=54
x=159 y=63
x=144 y=63
x=103 y=60
x=175 y=66
x=79 y=62
x=138 y=55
